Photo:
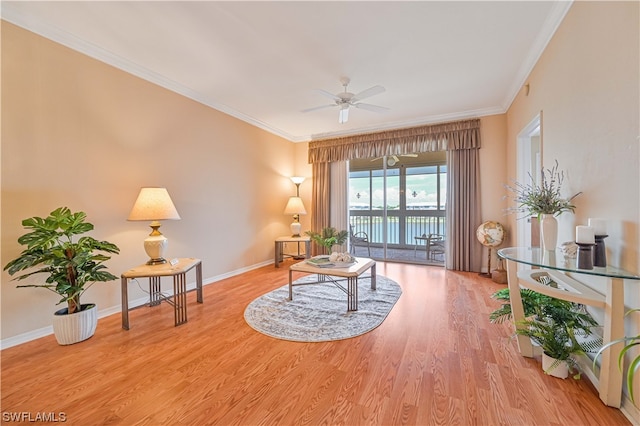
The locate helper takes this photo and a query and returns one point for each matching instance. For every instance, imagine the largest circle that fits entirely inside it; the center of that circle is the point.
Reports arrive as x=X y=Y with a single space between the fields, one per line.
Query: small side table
x=178 y=271
x=279 y=257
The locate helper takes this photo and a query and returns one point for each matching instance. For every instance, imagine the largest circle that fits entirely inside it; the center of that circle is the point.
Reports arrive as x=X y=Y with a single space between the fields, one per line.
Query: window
x=410 y=202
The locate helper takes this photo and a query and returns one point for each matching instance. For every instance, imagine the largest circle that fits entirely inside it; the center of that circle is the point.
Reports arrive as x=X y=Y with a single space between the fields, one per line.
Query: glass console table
x=565 y=273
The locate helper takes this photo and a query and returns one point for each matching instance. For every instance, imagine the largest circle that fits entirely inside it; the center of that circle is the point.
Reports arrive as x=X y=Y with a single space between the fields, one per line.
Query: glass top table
x=609 y=297
x=555 y=260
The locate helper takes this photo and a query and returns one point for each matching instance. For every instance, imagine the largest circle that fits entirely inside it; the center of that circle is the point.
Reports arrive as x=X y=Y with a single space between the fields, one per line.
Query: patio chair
x=436 y=246
x=358 y=239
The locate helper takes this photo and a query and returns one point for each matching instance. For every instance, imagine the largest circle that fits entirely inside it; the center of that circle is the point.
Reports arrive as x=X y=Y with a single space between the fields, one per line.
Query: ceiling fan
x=392 y=160
x=346 y=100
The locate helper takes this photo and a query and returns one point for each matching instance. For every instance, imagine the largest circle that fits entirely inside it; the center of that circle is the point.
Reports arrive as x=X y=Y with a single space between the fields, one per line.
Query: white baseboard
x=46 y=331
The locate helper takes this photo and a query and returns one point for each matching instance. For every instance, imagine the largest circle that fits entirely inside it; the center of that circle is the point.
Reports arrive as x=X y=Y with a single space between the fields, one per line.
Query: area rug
x=318 y=312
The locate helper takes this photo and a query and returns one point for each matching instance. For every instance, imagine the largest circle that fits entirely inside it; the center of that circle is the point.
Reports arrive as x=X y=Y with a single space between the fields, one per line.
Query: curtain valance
x=437 y=137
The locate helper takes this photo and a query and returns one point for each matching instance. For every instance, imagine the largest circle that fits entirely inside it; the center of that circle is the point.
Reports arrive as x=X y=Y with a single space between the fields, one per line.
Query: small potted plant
x=328 y=238
x=543 y=201
x=559 y=343
x=71 y=266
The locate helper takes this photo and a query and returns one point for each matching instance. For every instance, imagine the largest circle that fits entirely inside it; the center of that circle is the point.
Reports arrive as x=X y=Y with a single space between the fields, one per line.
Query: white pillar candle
x=599 y=226
x=585 y=235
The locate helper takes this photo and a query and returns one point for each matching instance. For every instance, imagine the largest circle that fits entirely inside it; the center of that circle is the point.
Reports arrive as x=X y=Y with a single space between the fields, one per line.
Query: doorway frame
x=526 y=156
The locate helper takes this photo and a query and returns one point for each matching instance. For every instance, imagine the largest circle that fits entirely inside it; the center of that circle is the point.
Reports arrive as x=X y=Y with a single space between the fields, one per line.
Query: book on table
x=320 y=261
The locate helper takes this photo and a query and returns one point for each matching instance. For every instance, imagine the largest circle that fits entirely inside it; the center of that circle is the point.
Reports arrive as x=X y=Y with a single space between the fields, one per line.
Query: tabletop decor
x=544 y=201
x=600 y=233
x=585 y=239
x=328 y=238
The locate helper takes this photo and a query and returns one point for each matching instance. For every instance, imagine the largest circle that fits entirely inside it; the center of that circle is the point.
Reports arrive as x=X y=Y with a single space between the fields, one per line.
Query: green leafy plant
x=329 y=237
x=72 y=266
x=558 y=339
x=634 y=366
x=535 y=199
x=532 y=301
x=552 y=323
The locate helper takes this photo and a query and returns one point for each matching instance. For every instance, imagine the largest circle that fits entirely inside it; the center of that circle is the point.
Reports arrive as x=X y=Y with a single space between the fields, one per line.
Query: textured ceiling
x=261 y=61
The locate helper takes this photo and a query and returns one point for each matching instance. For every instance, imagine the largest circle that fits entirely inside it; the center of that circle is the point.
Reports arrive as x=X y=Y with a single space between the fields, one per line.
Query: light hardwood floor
x=436 y=359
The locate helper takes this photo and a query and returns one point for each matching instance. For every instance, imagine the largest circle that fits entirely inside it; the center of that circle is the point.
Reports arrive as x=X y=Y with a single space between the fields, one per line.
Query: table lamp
x=154 y=204
x=295 y=206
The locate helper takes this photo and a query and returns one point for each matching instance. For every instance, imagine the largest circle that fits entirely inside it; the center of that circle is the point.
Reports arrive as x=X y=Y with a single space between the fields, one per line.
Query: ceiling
x=262 y=61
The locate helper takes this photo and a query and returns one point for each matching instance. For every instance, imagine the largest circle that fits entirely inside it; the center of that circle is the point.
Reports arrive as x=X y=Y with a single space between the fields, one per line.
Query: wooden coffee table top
x=361 y=265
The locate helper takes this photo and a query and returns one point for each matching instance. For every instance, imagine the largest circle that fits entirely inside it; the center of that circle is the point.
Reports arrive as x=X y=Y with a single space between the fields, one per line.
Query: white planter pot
x=549 y=231
x=74 y=328
x=560 y=369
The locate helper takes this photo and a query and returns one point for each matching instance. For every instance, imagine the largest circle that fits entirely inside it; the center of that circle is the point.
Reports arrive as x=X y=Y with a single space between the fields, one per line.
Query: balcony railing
x=401 y=227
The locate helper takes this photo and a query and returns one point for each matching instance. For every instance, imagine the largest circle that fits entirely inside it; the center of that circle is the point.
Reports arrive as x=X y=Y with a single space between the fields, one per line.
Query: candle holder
x=585 y=256
x=600 y=253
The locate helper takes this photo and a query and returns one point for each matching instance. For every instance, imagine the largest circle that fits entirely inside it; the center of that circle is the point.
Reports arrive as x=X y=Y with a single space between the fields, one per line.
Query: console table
x=609 y=382
x=154 y=272
x=279 y=257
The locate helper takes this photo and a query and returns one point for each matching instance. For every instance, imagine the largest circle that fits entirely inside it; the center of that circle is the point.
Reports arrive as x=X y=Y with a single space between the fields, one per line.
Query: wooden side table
x=279 y=255
x=178 y=271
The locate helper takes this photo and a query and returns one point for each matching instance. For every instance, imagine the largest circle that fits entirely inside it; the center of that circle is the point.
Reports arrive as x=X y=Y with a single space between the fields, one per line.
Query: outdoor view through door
x=397 y=204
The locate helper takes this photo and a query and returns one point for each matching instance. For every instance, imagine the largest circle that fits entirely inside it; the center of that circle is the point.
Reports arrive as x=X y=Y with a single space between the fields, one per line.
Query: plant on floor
x=328 y=238
x=558 y=339
x=71 y=266
x=560 y=327
x=531 y=302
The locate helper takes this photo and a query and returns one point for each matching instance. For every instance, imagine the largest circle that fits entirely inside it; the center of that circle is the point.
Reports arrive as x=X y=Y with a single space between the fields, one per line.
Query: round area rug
x=318 y=312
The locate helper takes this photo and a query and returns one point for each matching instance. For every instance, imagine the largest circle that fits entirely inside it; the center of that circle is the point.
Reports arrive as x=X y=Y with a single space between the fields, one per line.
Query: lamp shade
x=295 y=206
x=154 y=204
x=297 y=179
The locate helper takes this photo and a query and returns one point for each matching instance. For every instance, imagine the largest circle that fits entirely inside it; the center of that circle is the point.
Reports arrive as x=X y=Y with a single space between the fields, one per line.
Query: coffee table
x=349 y=274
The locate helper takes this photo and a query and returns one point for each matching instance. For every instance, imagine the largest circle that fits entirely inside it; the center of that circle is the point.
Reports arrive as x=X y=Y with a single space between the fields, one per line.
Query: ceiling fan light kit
x=346 y=100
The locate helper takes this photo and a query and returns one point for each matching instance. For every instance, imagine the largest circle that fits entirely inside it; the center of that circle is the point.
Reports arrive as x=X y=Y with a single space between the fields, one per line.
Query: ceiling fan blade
x=328 y=95
x=368 y=93
x=318 y=107
x=369 y=107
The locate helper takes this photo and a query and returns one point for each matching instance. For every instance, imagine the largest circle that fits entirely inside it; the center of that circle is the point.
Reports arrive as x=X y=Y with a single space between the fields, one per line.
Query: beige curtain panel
x=437 y=137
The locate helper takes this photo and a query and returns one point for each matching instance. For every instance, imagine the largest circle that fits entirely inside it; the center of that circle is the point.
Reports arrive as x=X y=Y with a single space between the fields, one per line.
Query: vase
x=555 y=367
x=74 y=328
x=549 y=231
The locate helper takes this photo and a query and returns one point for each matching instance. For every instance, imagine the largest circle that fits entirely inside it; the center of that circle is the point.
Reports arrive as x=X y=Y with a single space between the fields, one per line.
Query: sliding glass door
x=398 y=202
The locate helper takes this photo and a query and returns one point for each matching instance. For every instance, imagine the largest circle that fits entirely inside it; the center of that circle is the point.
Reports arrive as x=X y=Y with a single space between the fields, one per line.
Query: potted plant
x=328 y=238
x=543 y=201
x=559 y=343
x=71 y=266
x=560 y=327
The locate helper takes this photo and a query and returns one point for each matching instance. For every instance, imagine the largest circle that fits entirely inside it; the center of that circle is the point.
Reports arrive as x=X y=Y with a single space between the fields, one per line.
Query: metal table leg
x=125 y=303
x=180 y=298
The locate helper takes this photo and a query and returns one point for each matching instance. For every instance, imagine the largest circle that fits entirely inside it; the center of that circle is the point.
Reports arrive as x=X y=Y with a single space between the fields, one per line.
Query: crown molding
x=73 y=42
x=559 y=10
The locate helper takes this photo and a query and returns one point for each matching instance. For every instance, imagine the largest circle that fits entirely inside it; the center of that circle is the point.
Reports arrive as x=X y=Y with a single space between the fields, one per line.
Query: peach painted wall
x=586 y=84
x=493 y=172
x=82 y=134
